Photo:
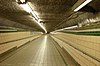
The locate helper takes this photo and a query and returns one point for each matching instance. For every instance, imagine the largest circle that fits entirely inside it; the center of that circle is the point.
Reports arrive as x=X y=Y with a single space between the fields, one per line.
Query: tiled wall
x=85 y=49
x=5 y=37
x=15 y=39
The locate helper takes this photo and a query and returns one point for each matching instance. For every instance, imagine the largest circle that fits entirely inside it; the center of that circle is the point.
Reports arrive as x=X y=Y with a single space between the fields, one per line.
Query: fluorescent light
x=26 y=7
x=82 y=5
x=41 y=26
x=36 y=12
x=16 y=0
x=22 y=1
x=59 y=29
x=67 y=28
x=71 y=27
x=34 y=15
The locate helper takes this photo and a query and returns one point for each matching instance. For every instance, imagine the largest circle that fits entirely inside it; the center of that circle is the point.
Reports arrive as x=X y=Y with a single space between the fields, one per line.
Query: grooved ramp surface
x=40 y=52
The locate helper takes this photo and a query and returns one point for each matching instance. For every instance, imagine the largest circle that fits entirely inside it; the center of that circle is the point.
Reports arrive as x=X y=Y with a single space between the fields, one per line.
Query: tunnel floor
x=39 y=52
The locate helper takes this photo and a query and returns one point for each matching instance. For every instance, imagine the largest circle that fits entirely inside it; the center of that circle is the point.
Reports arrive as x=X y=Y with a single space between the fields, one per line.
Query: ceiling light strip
x=82 y=5
x=37 y=20
x=41 y=25
x=67 y=28
x=27 y=8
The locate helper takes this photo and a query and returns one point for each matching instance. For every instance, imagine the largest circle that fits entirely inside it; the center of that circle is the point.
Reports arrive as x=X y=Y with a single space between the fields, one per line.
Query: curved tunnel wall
x=84 y=49
x=13 y=40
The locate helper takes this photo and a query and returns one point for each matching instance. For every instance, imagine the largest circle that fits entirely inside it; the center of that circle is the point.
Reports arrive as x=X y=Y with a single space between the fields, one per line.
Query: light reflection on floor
x=40 y=52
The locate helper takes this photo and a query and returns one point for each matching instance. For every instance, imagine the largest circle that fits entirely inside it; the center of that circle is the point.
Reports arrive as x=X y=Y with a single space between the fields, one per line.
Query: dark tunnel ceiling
x=52 y=12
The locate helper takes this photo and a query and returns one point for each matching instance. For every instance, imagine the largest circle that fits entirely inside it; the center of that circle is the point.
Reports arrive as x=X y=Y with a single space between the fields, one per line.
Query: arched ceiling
x=54 y=14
